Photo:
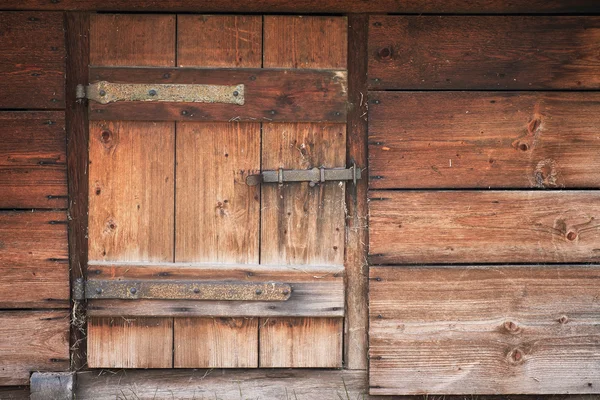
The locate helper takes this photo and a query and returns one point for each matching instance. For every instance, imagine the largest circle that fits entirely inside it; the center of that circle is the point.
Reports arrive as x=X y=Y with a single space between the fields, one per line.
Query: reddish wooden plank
x=219 y=41
x=32 y=341
x=34 y=260
x=270 y=95
x=484 y=139
x=32 y=68
x=484 y=52
x=486 y=226
x=33 y=165
x=484 y=330
x=315 y=6
x=132 y=39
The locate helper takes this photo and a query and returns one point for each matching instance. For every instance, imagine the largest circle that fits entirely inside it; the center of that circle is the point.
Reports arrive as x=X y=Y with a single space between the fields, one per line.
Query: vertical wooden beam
x=355 y=338
x=77 y=26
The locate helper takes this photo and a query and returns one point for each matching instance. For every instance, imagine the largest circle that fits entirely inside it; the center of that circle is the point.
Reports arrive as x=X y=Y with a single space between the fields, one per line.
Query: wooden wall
x=34 y=260
x=484 y=208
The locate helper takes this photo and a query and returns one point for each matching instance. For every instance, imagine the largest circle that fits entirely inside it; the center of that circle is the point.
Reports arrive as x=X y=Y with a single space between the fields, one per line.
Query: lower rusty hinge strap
x=187 y=290
x=313 y=176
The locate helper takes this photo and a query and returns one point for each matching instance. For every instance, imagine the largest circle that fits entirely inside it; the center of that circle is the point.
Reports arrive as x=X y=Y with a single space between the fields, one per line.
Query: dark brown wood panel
x=270 y=95
x=484 y=226
x=484 y=330
x=484 y=52
x=316 y=290
x=314 y=6
x=33 y=165
x=132 y=39
x=32 y=341
x=484 y=139
x=32 y=67
x=34 y=261
x=233 y=41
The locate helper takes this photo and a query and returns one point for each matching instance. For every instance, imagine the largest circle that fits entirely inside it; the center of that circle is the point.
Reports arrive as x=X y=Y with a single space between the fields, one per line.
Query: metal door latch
x=312 y=176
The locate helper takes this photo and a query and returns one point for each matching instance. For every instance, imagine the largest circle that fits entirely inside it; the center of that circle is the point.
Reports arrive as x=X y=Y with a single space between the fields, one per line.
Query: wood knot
x=523 y=146
x=516 y=356
x=511 y=327
x=571 y=235
x=563 y=319
x=385 y=53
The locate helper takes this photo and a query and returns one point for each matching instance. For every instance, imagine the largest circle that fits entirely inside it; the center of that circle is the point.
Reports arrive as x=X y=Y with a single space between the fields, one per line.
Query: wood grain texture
x=131 y=198
x=136 y=342
x=32 y=68
x=77 y=27
x=357 y=235
x=315 y=6
x=233 y=41
x=305 y=42
x=216 y=343
x=132 y=39
x=484 y=52
x=484 y=330
x=303 y=224
x=316 y=290
x=33 y=164
x=34 y=260
x=301 y=342
x=218 y=215
x=484 y=139
x=484 y=226
x=269 y=95
x=32 y=341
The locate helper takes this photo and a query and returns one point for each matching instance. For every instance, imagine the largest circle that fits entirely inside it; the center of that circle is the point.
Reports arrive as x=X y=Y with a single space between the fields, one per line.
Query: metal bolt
x=285 y=292
x=184 y=112
x=311 y=184
x=196 y=290
x=337 y=113
x=258 y=292
x=102 y=92
x=152 y=92
x=236 y=93
x=98 y=290
x=133 y=290
x=376 y=102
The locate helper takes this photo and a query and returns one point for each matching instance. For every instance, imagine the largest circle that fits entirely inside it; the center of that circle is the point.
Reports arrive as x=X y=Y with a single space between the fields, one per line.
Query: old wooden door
x=169 y=201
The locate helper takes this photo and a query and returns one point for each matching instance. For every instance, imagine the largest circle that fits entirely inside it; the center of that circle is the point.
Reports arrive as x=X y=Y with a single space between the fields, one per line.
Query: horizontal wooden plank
x=270 y=95
x=484 y=226
x=484 y=330
x=313 y=6
x=34 y=261
x=33 y=166
x=316 y=290
x=484 y=52
x=32 y=68
x=484 y=139
x=32 y=341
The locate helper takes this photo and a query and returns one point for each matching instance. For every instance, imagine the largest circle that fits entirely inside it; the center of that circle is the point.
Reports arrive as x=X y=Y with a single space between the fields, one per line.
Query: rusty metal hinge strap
x=105 y=92
x=313 y=176
x=187 y=290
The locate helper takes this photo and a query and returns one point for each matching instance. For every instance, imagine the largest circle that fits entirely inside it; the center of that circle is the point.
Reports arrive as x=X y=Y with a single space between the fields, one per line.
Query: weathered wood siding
x=34 y=262
x=460 y=105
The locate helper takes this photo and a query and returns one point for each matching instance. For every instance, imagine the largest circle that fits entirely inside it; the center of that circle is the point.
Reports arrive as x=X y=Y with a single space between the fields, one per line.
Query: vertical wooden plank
x=305 y=42
x=233 y=41
x=216 y=343
x=301 y=342
x=130 y=343
x=77 y=26
x=132 y=39
x=302 y=224
x=131 y=191
x=217 y=213
x=357 y=234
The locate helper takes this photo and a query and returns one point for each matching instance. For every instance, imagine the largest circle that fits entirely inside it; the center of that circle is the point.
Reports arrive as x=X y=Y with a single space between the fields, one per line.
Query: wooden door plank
x=33 y=165
x=233 y=41
x=269 y=95
x=131 y=196
x=316 y=290
x=32 y=69
x=302 y=224
x=32 y=341
x=301 y=342
x=484 y=330
x=484 y=52
x=119 y=342
x=132 y=39
x=34 y=261
x=483 y=140
x=217 y=213
x=484 y=226
x=216 y=343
